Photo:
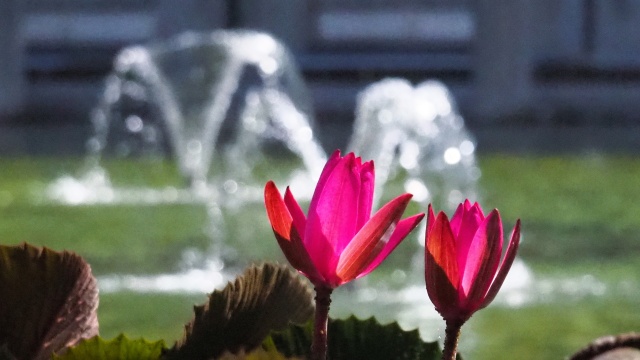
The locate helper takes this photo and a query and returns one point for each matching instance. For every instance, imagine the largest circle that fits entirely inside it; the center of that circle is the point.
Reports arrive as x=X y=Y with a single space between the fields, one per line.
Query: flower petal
x=286 y=233
x=331 y=223
x=441 y=268
x=482 y=261
x=509 y=256
x=403 y=229
x=371 y=239
x=365 y=199
x=334 y=159
x=299 y=219
x=431 y=219
x=469 y=224
x=456 y=219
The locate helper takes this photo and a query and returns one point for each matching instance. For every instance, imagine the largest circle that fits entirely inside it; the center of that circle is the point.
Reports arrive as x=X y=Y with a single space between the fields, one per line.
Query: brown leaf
x=622 y=346
x=264 y=298
x=49 y=301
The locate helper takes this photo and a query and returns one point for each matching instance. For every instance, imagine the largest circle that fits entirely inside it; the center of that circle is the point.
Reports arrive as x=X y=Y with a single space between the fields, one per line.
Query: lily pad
x=120 y=348
x=49 y=301
x=353 y=338
x=611 y=347
x=265 y=298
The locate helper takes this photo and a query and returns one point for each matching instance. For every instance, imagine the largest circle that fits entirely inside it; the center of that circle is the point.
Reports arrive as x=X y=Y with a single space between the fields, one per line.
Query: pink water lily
x=463 y=272
x=338 y=240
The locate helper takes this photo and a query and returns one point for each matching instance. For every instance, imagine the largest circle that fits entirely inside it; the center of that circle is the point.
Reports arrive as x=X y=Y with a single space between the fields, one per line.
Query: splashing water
x=211 y=101
x=416 y=136
x=225 y=106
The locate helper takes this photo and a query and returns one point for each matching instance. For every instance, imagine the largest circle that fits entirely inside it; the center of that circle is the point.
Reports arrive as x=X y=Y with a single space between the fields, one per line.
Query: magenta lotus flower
x=338 y=240
x=463 y=272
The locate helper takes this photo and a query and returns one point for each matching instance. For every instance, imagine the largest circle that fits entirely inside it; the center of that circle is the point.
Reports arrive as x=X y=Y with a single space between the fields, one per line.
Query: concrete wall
x=11 y=58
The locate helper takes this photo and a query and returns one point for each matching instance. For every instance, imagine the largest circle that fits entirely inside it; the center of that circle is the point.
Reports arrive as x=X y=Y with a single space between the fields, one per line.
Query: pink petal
x=365 y=199
x=456 y=219
x=441 y=268
x=371 y=239
x=509 y=256
x=299 y=219
x=286 y=234
x=482 y=262
x=331 y=223
x=334 y=159
x=431 y=219
x=403 y=229
x=471 y=220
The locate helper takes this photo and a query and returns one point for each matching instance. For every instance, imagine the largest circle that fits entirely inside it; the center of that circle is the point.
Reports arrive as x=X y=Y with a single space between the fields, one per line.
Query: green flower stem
x=452 y=334
x=319 y=342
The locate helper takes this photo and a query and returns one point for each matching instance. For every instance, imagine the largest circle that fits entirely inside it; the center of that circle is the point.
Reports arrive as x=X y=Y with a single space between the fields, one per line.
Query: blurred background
x=549 y=90
x=566 y=71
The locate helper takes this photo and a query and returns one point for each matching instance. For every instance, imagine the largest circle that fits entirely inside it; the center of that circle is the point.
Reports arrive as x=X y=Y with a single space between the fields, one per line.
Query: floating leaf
x=622 y=346
x=353 y=338
x=267 y=352
x=49 y=301
x=264 y=298
x=120 y=348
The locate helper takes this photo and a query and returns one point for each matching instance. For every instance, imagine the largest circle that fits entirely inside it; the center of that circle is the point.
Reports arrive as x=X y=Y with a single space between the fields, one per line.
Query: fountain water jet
x=196 y=97
x=416 y=136
x=226 y=105
x=419 y=143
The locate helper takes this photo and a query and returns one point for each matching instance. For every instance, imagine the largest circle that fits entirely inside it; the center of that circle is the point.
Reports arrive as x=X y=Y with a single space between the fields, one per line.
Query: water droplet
x=467 y=148
x=452 y=156
x=134 y=123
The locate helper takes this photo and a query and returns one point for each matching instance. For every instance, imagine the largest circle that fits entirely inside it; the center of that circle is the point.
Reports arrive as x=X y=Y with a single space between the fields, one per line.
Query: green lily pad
x=265 y=298
x=353 y=338
x=267 y=352
x=120 y=348
x=49 y=301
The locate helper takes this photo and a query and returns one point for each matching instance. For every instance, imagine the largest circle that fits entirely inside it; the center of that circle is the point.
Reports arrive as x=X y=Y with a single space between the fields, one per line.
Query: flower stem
x=452 y=334
x=319 y=342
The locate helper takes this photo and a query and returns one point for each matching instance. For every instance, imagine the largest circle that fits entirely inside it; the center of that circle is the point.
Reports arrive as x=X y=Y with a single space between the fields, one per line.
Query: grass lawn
x=580 y=215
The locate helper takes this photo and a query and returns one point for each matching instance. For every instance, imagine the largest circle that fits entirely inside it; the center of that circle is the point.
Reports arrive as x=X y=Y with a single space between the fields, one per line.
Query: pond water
x=576 y=277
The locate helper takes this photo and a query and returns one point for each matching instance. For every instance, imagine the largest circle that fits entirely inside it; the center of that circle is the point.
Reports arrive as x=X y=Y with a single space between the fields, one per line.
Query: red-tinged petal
x=431 y=219
x=471 y=220
x=365 y=199
x=286 y=234
x=331 y=223
x=441 y=268
x=509 y=256
x=482 y=262
x=456 y=219
x=299 y=219
x=403 y=229
x=334 y=159
x=371 y=239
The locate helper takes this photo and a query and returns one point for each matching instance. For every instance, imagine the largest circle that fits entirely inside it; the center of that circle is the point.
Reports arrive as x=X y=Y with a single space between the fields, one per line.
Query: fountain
x=417 y=137
x=219 y=103
x=225 y=106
